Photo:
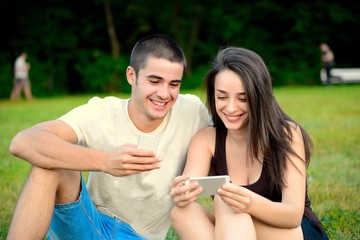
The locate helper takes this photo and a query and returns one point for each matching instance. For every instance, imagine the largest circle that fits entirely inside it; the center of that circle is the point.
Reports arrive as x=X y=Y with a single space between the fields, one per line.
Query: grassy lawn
x=331 y=115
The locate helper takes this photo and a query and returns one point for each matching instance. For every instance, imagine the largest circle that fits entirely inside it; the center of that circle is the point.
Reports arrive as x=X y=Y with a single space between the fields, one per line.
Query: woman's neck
x=239 y=135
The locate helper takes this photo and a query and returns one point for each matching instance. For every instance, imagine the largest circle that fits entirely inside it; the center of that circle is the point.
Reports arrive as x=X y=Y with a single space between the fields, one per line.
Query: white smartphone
x=210 y=184
x=148 y=142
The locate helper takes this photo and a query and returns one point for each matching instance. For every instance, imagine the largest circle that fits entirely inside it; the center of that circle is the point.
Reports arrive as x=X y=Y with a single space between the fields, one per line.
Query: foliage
x=6 y=76
x=64 y=42
x=101 y=73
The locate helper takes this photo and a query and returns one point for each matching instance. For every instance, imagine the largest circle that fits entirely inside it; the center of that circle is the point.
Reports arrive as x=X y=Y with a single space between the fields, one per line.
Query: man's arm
x=52 y=145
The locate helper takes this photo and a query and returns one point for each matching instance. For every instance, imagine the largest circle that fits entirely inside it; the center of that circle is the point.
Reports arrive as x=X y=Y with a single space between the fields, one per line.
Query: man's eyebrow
x=161 y=78
x=176 y=81
x=153 y=76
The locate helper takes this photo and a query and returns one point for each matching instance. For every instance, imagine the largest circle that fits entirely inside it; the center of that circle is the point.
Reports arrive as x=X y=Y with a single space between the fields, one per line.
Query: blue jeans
x=81 y=220
x=311 y=231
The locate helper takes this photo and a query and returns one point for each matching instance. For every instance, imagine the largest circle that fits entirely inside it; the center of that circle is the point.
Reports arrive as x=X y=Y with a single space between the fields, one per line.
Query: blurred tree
x=115 y=45
x=114 y=80
x=84 y=46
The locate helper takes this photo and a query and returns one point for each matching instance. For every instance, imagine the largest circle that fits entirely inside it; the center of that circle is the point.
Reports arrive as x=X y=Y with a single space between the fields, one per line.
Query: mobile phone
x=210 y=184
x=148 y=142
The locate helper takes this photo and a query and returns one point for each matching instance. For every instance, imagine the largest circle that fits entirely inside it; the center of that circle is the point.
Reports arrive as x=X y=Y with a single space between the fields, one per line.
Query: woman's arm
x=198 y=164
x=200 y=153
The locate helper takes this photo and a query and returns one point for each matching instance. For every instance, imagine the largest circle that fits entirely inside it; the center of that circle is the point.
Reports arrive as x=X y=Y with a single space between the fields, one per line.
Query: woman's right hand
x=184 y=194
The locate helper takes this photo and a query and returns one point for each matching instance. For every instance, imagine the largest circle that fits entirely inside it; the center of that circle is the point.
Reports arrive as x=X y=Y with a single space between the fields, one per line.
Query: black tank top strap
x=218 y=161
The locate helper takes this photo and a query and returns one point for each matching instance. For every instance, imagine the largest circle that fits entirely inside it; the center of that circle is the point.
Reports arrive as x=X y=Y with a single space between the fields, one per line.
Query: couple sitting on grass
x=127 y=196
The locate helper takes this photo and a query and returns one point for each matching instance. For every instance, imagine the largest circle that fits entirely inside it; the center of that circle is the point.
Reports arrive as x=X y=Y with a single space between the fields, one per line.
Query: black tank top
x=261 y=185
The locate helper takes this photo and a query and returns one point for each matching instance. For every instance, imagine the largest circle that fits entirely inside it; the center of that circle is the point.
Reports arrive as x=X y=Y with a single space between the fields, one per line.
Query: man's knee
x=64 y=183
x=69 y=186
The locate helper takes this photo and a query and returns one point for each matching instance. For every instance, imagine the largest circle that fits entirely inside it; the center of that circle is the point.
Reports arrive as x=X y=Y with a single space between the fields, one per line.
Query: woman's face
x=230 y=100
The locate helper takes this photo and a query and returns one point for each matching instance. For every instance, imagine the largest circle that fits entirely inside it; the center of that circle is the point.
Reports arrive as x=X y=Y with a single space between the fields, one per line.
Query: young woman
x=264 y=152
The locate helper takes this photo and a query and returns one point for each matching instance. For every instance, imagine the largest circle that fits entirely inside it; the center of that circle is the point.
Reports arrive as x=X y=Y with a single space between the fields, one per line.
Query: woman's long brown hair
x=270 y=132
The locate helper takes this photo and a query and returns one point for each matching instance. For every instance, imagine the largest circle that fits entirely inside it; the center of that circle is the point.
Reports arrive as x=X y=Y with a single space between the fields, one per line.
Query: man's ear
x=131 y=75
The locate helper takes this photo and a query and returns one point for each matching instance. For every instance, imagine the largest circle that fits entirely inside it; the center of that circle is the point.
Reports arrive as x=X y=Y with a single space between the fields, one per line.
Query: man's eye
x=175 y=84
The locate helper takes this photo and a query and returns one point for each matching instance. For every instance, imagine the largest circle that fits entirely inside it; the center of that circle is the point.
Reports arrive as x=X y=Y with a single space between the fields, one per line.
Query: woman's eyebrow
x=223 y=91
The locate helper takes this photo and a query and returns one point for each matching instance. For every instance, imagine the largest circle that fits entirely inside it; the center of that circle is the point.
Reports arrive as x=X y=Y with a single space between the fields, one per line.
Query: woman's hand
x=236 y=197
x=184 y=194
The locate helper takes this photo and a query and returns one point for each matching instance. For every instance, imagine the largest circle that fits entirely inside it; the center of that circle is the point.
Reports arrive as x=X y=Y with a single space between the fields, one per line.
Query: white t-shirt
x=141 y=200
x=21 y=68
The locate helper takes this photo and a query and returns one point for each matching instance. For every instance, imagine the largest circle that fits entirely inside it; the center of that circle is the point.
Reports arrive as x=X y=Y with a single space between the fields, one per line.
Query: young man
x=127 y=195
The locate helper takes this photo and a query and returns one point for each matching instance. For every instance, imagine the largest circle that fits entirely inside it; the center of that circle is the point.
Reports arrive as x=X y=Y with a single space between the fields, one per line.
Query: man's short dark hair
x=157 y=46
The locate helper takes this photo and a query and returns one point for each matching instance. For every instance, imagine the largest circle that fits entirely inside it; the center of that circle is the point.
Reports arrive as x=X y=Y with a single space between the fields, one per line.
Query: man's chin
x=159 y=115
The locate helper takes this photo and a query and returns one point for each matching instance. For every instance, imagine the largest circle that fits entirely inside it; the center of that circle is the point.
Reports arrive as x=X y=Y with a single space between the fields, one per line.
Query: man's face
x=154 y=91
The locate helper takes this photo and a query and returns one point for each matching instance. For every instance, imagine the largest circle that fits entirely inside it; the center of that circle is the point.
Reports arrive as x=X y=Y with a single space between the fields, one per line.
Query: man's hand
x=127 y=160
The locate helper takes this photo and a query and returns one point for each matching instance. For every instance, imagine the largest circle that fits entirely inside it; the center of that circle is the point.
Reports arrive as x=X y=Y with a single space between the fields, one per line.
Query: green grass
x=331 y=115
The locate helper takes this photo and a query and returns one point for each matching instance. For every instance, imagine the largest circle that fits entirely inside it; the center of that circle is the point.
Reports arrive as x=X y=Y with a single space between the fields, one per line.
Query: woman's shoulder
x=295 y=128
x=204 y=139
x=206 y=134
x=208 y=131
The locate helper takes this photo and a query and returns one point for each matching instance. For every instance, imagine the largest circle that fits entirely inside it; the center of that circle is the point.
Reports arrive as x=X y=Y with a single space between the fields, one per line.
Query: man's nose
x=163 y=91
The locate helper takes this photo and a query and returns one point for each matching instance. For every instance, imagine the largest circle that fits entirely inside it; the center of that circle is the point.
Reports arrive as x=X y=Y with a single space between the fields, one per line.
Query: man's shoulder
x=109 y=100
x=188 y=98
x=189 y=107
x=188 y=103
x=106 y=104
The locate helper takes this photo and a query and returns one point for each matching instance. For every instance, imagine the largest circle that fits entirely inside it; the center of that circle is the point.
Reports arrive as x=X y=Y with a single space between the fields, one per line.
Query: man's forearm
x=46 y=150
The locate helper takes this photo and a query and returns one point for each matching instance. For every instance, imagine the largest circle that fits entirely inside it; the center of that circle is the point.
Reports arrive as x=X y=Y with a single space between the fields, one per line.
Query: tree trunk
x=114 y=81
x=115 y=46
x=191 y=36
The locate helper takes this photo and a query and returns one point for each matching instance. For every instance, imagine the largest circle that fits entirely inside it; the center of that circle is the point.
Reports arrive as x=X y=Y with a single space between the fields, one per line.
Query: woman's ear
x=130 y=75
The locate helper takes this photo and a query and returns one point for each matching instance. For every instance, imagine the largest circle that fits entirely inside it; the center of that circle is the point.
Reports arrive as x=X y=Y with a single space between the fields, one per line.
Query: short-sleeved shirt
x=142 y=200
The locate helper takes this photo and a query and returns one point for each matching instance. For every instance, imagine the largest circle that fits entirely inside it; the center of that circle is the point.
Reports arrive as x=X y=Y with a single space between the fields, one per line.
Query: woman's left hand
x=236 y=197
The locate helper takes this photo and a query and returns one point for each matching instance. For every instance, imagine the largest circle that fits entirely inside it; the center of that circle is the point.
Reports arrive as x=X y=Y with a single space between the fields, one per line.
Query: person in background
x=262 y=149
x=21 y=78
x=327 y=59
x=127 y=194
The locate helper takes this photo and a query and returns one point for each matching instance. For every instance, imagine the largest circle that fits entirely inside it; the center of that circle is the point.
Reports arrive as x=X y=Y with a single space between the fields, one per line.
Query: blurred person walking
x=21 y=78
x=327 y=59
